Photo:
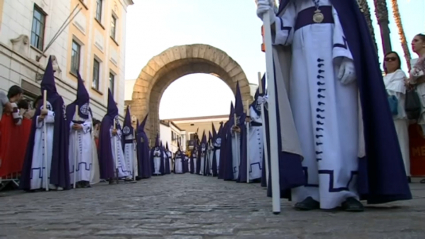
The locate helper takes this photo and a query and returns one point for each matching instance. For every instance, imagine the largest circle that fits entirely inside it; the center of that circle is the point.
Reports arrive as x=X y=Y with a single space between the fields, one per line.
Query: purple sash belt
x=305 y=17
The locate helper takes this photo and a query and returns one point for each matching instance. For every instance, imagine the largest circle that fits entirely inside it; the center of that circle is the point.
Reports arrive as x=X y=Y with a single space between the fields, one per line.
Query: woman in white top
x=394 y=81
x=417 y=75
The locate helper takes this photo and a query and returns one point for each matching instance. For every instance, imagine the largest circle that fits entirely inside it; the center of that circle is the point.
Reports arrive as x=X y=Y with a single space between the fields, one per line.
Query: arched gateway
x=174 y=63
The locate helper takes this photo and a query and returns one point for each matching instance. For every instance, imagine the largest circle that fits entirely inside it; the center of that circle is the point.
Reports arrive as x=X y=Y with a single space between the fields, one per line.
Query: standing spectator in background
x=417 y=76
x=394 y=81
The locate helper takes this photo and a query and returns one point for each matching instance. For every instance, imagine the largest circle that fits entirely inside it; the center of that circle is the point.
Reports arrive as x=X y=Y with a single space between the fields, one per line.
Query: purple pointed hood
x=127 y=127
x=142 y=125
x=48 y=83
x=82 y=101
x=214 y=132
x=239 y=110
x=112 y=110
x=254 y=104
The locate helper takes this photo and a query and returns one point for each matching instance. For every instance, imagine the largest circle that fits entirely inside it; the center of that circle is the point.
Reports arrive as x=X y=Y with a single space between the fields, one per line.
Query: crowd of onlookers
x=406 y=94
x=16 y=115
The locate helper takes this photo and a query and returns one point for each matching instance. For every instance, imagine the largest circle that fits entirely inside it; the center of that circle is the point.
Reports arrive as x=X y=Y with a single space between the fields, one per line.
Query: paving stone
x=195 y=207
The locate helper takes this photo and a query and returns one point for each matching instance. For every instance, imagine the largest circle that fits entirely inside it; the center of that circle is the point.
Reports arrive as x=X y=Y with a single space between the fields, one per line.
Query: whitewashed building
x=171 y=133
x=84 y=35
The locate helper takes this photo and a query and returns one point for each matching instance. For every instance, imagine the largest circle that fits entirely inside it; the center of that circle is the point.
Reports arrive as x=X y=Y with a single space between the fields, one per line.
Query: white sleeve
x=340 y=45
x=284 y=26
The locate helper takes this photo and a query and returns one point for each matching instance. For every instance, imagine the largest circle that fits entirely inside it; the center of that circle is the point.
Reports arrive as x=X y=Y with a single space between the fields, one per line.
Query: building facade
x=87 y=36
x=171 y=133
x=191 y=125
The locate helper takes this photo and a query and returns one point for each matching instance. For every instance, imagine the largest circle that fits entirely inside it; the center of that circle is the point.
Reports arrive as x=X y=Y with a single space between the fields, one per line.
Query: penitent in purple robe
x=226 y=154
x=144 y=163
x=105 y=154
x=59 y=168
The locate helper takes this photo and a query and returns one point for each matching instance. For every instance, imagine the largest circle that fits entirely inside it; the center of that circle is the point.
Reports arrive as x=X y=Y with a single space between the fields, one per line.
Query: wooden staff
x=116 y=152
x=93 y=148
x=46 y=168
x=77 y=118
x=274 y=150
x=237 y=149
x=134 y=155
x=248 y=162
x=264 y=124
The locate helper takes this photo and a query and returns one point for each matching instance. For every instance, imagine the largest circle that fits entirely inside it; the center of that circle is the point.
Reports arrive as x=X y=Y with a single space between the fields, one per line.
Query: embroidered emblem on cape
x=218 y=142
x=84 y=109
x=126 y=130
x=64 y=111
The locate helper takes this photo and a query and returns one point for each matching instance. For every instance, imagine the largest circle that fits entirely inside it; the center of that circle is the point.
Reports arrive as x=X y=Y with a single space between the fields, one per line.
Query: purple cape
x=242 y=177
x=381 y=175
x=106 y=159
x=59 y=168
x=144 y=166
x=215 y=138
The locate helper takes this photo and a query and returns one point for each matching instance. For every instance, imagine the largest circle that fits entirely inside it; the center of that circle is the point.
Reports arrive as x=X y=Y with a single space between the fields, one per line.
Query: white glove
x=347 y=71
x=265 y=2
x=263 y=7
x=262 y=99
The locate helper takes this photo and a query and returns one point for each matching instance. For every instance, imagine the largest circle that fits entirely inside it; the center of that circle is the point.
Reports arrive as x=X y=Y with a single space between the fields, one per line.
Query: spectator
x=394 y=81
x=5 y=105
x=417 y=75
x=24 y=110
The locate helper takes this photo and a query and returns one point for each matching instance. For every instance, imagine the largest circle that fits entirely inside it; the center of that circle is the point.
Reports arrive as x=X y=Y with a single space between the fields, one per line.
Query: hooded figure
x=129 y=145
x=337 y=142
x=144 y=163
x=239 y=143
x=210 y=152
x=111 y=156
x=157 y=158
x=56 y=139
x=169 y=156
x=226 y=152
x=216 y=142
x=194 y=160
x=178 y=160
x=81 y=141
x=203 y=157
x=256 y=138
x=165 y=160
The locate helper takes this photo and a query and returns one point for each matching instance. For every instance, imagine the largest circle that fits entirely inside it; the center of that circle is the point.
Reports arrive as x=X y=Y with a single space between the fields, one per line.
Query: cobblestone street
x=189 y=206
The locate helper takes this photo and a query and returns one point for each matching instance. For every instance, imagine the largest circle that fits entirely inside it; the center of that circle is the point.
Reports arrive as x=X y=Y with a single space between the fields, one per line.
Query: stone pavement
x=190 y=206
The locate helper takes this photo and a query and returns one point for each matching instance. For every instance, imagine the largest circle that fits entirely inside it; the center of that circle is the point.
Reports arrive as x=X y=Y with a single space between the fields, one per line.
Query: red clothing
x=13 y=144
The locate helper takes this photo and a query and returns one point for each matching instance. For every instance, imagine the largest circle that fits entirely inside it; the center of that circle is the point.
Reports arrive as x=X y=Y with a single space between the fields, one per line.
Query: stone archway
x=174 y=63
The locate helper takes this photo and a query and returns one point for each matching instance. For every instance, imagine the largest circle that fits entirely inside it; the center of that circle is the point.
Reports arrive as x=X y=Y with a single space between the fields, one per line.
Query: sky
x=230 y=25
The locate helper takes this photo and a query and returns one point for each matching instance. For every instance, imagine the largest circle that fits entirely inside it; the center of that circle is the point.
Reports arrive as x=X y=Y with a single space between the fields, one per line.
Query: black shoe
x=352 y=205
x=409 y=179
x=422 y=181
x=307 y=204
